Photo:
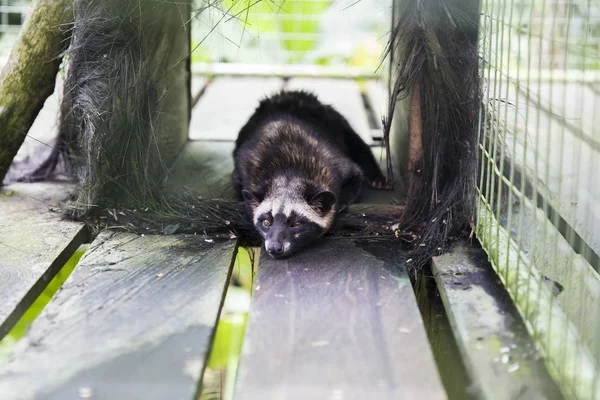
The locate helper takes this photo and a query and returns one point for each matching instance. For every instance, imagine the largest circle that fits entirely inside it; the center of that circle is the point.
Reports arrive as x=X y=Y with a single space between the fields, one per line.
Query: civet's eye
x=266 y=223
x=297 y=225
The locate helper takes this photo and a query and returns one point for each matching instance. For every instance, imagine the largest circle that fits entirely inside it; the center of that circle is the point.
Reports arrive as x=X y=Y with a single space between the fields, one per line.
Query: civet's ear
x=322 y=202
x=253 y=198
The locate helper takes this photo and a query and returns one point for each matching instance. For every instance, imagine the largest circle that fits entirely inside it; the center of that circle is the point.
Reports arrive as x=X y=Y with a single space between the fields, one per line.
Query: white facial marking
x=286 y=246
x=284 y=197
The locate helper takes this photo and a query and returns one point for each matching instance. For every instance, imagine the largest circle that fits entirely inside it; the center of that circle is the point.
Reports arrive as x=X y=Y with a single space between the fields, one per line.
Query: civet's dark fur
x=297 y=164
x=435 y=46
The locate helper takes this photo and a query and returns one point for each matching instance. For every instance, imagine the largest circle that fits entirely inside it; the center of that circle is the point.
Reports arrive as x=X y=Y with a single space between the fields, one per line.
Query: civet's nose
x=274 y=247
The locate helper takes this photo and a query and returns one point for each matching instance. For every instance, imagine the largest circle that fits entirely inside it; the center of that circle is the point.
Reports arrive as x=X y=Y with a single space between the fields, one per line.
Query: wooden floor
x=137 y=316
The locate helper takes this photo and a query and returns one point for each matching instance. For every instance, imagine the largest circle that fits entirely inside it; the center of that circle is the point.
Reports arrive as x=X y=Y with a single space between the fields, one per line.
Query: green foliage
x=287 y=19
x=227 y=344
x=302 y=26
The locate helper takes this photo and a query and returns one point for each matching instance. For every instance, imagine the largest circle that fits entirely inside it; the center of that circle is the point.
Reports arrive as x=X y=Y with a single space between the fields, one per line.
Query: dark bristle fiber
x=111 y=110
x=436 y=44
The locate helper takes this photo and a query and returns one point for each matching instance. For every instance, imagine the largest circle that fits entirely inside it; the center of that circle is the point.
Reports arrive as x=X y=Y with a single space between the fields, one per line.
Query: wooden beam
x=134 y=320
x=337 y=322
x=34 y=245
x=499 y=354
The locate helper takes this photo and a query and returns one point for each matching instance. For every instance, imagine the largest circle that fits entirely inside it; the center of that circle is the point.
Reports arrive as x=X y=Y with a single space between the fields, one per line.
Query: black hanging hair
x=435 y=49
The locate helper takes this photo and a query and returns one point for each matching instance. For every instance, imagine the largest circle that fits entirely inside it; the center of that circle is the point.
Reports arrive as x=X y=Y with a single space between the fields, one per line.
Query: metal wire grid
x=539 y=202
x=333 y=37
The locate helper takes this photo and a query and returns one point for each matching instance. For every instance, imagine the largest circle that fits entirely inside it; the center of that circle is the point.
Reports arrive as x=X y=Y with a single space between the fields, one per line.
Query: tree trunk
x=29 y=77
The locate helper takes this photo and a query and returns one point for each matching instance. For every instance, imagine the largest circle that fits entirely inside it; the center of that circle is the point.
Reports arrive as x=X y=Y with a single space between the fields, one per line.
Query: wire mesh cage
x=538 y=205
x=298 y=37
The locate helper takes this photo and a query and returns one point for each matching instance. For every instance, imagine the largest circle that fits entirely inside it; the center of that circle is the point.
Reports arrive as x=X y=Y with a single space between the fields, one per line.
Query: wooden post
x=174 y=81
x=28 y=78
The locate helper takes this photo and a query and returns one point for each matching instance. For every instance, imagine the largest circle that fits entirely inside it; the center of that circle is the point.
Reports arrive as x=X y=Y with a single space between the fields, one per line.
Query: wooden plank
x=226 y=105
x=34 y=245
x=498 y=352
x=343 y=95
x=134 y=320
x=337 y=322
x=205 y=169
x=198 y=86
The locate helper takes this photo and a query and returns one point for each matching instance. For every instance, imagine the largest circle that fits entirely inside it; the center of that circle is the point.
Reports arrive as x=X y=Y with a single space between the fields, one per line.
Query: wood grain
x=205 y=167
x=498 y=352
x=226 y=105
x=134 y=320
x=34 y=244
x=344 y=96
x=337 y=322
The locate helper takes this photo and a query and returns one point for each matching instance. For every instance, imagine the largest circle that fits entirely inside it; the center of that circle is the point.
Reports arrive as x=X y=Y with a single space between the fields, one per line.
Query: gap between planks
x=499 y=354
x=137 y=315
x=35 y=241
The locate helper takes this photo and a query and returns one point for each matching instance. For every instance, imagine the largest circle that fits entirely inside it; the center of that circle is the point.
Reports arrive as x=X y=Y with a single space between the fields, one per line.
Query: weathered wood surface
x=34 y=244
x=134 y=320
x=498 y=352
x=343 y=95
x=226 y=105
x=337 y=322
x=171 y=58
x=28 y=77
x=205 y=168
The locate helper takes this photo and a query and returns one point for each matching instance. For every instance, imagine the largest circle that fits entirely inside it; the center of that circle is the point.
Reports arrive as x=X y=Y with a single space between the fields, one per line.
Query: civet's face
x=288 y=226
